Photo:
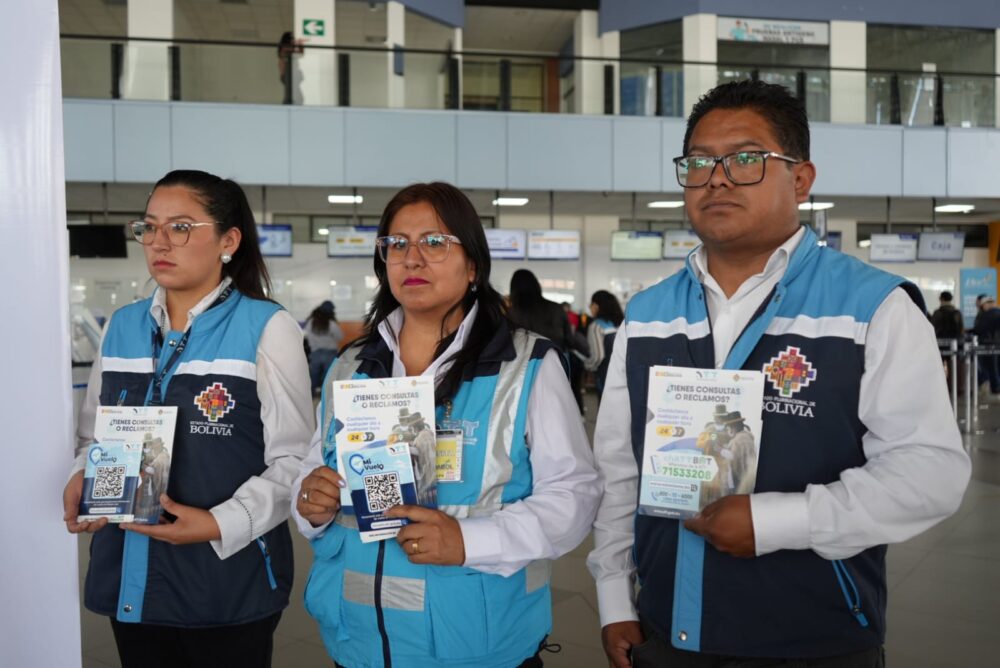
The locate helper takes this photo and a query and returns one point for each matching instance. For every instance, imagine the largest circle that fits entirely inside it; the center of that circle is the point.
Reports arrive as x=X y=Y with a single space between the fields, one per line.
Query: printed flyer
x=702 y=438
x=129 y=465
x=386 y=448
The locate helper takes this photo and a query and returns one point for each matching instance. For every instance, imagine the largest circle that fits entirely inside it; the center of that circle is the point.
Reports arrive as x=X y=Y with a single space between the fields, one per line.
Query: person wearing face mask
x=207 y=585
x=467 y=583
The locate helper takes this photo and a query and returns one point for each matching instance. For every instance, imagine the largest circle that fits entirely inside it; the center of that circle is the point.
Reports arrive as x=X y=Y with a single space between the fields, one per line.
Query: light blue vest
x=372 y=603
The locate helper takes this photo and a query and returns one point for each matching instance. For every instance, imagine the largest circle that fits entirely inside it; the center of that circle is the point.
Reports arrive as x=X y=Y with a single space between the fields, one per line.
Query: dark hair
x=322 y=316
x=287 y=39
x=783 y=111
x=946 y=296
x=457 y=214
x=525 y=290
x=608 y=307
x=227 y=204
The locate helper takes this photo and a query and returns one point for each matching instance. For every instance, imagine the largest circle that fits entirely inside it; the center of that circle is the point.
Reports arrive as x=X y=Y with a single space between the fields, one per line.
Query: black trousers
x=152 y=646
x=656 y=653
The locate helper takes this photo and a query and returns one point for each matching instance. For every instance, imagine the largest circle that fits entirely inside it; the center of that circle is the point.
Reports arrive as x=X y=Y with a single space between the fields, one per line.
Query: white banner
x=775 y=32
x=38 y=566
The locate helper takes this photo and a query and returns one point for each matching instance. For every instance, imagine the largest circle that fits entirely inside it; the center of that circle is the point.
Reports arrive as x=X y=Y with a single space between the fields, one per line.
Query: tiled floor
x=944 y=588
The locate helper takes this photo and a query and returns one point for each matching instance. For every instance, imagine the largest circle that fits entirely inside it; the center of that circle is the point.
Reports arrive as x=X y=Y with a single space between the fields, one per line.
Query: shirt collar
x=158 y=308
x=776 y=264
x=390 y=327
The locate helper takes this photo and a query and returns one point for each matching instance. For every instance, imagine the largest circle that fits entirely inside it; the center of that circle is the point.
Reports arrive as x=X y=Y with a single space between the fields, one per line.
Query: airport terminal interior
x=560 y=119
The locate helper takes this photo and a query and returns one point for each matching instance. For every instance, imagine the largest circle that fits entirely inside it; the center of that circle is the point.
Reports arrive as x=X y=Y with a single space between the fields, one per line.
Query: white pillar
x=395 y=36
x=996 y=82
x=146 y=72
x=314 y=73
x=588 y=75
x=848 y=90
x=700 y=43
x=457 y=47
x=38 y=565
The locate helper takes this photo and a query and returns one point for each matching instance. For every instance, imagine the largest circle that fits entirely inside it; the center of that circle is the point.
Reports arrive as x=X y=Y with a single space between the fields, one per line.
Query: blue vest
x=808 y=337
x=372 y=603
x=216 y=449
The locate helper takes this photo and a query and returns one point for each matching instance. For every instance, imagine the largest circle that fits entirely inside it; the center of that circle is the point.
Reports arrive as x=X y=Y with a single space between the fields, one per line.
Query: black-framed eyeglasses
x=178 y=234
x=433 y=247
x=743 y=168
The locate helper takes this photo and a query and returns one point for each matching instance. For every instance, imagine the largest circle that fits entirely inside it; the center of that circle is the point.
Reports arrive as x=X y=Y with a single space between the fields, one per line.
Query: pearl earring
x=226 y=258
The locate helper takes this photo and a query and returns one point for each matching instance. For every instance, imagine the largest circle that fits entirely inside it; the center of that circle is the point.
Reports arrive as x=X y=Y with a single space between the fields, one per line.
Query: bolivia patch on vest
x=789 y=372
x=215 y=401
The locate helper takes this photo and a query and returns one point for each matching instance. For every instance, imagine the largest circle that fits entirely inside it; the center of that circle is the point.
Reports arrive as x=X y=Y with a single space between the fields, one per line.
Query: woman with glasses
x=205 y=586
x=466 y=583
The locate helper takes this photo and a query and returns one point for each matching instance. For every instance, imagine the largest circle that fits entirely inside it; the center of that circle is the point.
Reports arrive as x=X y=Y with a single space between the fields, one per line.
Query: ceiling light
x=510 y=201
x=865 y=243
x=345 y=199
x=954 y=208
x=323 y=231
x=815 y=206
x=663 y=204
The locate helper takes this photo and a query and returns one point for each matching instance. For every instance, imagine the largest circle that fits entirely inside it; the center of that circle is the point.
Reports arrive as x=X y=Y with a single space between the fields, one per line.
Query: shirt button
x=127 y=608
x=682 y=636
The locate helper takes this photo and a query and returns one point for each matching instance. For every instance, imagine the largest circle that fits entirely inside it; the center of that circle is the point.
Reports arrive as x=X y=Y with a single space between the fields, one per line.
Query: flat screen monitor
x=631 y=245
x=945 y=246
x=506 y=244
x=275 y=240
x=834 y=240
x=893 y=248
x=553 y=244
x=347 y=241
x=97 y=241
x=678 y=243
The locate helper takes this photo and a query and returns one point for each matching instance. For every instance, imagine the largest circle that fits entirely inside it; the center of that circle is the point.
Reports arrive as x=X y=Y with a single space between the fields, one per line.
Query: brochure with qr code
x=371 y=415
x=702 y=438
x=128 y=466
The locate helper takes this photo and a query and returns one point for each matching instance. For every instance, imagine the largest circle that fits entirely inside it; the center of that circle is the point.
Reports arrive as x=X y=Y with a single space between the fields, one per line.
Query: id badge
x=449 y=455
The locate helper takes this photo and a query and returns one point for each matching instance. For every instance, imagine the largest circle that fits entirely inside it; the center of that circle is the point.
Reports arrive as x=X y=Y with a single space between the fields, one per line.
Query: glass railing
x=375 y=77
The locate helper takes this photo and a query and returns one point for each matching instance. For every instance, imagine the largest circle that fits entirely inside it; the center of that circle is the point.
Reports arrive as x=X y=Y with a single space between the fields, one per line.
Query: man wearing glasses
x=859 y=447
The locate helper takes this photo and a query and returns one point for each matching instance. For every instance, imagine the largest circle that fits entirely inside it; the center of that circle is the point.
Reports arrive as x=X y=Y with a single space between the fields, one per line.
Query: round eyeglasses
x=432 y=247
x=178 y=234
x=743 y=168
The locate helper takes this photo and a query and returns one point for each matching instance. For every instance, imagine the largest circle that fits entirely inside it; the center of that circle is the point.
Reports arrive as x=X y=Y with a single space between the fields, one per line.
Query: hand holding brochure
x=702 y=438
x=386 y=447
x=128 y=467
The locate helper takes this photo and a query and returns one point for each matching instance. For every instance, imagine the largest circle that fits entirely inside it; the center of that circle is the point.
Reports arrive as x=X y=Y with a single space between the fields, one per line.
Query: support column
x=314 y=73
x=700 y=43
x=848 y=90
x=457 y=47
x=996 y=81
x=588 y=75
x=395 y=39
x=146 y=72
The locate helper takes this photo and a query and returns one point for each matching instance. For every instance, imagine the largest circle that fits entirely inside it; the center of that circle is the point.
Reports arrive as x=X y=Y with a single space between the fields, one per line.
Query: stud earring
x=474 y=287
x=226 y=258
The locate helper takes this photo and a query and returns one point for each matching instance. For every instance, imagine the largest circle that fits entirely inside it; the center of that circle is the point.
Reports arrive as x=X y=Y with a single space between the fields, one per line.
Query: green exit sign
x=313 y=27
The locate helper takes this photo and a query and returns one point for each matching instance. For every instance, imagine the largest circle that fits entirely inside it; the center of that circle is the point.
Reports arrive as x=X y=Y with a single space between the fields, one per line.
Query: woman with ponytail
x=466 y=583
x=205 y=586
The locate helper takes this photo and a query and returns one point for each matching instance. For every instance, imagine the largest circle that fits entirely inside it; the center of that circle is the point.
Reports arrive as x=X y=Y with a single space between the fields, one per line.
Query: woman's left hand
x=193 y=525
x=432 y=537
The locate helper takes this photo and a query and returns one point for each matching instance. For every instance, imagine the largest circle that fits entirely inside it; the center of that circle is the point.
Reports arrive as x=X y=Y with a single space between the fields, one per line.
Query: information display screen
x=893 y=248
x=506 y=244
x=678 y=243
x=275 y=240
x=347 y=241
x=946 y=246
x=553 y=244
x=626 y=245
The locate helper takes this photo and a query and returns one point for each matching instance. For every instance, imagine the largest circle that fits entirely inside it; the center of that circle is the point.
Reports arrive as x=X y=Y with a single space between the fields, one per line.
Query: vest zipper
x=267 y=563
x=379 y=614
x=850 y=592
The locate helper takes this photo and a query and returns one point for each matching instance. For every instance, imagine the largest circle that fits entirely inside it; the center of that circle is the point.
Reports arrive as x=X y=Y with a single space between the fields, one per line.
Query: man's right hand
x=71 y=507
x=618 y=640
x=319 y=496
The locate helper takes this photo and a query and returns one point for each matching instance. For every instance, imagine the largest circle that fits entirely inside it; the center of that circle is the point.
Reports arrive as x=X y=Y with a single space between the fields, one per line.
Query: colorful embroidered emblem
x=215 y=402
x=789 y=372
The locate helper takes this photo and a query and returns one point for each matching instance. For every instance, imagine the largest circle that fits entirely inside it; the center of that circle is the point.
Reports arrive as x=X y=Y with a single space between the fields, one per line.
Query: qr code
x=109 y=482
x=383 y=491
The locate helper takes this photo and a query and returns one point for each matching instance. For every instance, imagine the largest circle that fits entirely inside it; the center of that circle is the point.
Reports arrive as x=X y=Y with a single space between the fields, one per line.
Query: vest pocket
x=325 y=585
x=456 y=605
x=850 y=592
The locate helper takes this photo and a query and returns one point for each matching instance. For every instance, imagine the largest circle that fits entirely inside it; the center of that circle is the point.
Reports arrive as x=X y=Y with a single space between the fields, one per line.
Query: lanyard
x=156 y=396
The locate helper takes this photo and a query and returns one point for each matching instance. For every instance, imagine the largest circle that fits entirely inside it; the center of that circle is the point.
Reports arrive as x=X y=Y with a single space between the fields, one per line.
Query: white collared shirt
x=915 y=473
x=283 y=388
x=565 y=487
